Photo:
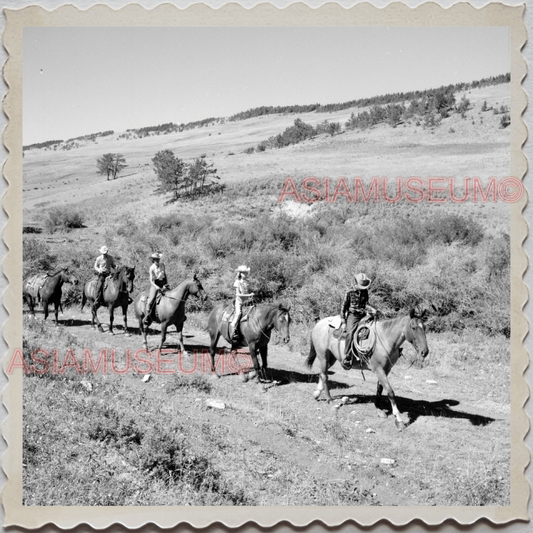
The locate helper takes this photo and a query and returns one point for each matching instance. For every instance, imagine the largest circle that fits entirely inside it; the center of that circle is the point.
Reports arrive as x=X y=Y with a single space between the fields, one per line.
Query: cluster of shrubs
x=62 y=219
x=46 y=145
x=298 y=132
x=92 y=137
x=431 y=108
x=444 y=261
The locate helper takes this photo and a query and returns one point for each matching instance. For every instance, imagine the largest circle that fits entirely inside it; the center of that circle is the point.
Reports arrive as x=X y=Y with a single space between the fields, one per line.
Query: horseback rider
x=158 y=283
x=104 y=266
x=354 y=308
x=242 y=296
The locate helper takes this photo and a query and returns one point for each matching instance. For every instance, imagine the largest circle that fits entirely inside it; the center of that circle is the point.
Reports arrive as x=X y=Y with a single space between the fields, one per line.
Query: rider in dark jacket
x=354 y=308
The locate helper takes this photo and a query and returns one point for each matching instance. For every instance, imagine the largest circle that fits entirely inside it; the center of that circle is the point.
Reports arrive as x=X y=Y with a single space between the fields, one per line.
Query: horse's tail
x=83 y=299
x=312 y=354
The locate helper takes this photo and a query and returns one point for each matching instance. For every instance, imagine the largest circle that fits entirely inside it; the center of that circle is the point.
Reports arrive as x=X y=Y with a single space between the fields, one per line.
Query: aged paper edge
x=397 y=14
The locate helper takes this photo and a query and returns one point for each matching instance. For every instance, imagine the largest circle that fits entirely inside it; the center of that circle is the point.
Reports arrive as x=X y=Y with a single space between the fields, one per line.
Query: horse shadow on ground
x=417 y=408
x=74 y=322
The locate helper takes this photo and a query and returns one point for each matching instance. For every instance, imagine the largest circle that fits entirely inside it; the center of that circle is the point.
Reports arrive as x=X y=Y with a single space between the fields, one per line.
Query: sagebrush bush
x=62 y=219
x=36 y=257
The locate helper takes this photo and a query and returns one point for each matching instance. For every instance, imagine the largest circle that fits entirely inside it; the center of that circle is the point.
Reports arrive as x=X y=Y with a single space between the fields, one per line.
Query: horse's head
x=197 y=289
x=68 y=277
x=130 y=276
x=416 y=332
x=124 y=277
x=282 y=321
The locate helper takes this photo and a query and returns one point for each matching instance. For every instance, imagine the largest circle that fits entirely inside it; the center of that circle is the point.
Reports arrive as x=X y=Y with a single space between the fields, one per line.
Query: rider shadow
x=417 y=408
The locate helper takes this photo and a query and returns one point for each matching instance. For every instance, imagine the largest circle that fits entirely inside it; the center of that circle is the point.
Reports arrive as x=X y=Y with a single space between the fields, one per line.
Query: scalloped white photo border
x=396 y=14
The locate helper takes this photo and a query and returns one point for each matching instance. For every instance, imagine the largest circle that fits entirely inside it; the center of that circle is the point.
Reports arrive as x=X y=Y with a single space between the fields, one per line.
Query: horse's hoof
x=245 y=378
x=111 y=332
x=316 y=394
x=399 y=425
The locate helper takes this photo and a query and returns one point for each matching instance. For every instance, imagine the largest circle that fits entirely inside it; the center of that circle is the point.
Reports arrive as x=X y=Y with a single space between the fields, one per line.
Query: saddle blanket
x=229 y=312
x=144 y=301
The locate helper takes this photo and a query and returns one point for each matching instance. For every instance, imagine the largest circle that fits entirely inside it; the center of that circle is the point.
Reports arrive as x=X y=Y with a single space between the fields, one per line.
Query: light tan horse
x=171 y=309
x=390 y=335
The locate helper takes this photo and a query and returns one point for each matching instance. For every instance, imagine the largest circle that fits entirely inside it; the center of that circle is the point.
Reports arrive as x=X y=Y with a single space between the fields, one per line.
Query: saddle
x=364 y=338
x=35 y=284
x=227 y=317
x=144 y=301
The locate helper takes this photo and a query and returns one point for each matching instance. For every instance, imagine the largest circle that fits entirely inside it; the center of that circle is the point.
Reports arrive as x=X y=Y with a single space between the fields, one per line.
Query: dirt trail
x=412 y=384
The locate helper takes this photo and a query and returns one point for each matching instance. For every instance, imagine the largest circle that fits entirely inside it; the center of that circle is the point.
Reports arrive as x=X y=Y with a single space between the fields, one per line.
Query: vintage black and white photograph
x=266 y=266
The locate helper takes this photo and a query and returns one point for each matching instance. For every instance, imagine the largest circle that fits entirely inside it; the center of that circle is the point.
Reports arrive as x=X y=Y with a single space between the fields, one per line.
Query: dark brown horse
x=170 y=309
x=255 y=332
x=116 y=294
x=46 y=288
x=390 y=335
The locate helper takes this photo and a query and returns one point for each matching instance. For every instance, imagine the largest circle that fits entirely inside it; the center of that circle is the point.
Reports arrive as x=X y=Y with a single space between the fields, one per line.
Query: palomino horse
x=47 y=289
x=116 y=294
x=170 y=309
x=390 y=335
x=255 y=331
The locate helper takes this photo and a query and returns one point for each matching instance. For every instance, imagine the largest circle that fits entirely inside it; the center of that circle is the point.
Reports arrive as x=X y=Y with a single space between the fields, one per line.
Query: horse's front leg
x=125 y=315
x=379 y=390
x=253 y=352
x=212 y=351
x=181 y=346
x=384 y=380
x=263 y=350
x=111 y=319
x=56 y=311
x=95 y=321
x=45 y=308
x=143 y=330
x=164 y=326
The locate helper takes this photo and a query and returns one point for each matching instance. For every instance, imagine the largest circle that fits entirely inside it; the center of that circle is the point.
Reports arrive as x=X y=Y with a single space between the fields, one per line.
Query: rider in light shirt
x=242 y=295
x=104 y=266
x=158 y=283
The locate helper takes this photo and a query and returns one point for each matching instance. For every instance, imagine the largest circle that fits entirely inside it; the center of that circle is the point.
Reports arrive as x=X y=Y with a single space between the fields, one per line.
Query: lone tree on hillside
x=119 y=164
x=170 y=171
x=111 y=165
x=105 y=165
x=198 y=172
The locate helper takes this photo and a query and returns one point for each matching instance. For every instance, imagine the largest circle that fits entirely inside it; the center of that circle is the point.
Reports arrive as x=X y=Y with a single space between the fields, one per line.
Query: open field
x=116 y=440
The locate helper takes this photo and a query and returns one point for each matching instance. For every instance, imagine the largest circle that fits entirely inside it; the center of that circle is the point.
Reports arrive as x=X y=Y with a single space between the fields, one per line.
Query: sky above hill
x=78 y=81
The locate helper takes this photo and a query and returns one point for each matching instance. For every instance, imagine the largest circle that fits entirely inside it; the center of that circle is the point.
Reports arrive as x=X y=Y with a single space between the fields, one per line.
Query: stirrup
x=347 y=362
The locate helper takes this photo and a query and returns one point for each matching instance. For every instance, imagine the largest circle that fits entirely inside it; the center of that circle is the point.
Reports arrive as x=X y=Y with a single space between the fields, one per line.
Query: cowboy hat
x=242 y=268
x=104 y=250
x=156 y=255
x=361 y=281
